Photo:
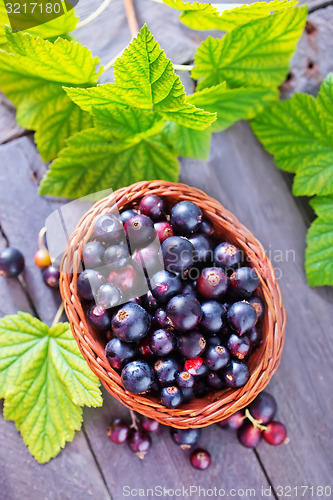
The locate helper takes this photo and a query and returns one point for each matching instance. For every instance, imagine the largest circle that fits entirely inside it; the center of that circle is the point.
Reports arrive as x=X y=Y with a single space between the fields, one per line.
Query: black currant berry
x=119 y=353
x=184 y=312
x=109 y=296
x=239 y=347
x=92 y=254
x=233 y=422
x=275 y=434
x=216 y=357
x=203 y=248
x=171 y=396
x=207 y=228
x=139 y=230
x=160 y=319
x=213 y=316
x=214 y=380
x=149 y=302
x=244 y=281
x=150 y=425
x=11 y=262
x=185 y=380
x=162 y=342
x=117 y=256
x=129 y=280
x=165 y=285
x=108 y=229
x=227 y=255
x=166 y=370
x=131 y=323
x=212 y=283
x=259 y=306
x=236 y=374
x=241 y=317
x=149 y=258
x=99 y=317
x=189 y=289
x=152 y=206
x=118 y=431
x=191 y=345
x=255 y=335
x=185 y=218
x=188 y=394
x=139 y=442
x=249 y=436
x=88 y=282
x=137 y=377
x=51 y=276
x=263 y=408
x=178 y=254
x=200 y=459
x=185 y=438
x=127 y=214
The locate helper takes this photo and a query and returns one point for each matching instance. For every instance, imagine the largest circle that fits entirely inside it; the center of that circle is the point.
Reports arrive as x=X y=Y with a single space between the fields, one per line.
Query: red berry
x=42 y=258
x=233 y=422
x=139 y=442
x=164 y=230
x=200 y=459
x=192 y=365
x=118 y=431
x=275 y=434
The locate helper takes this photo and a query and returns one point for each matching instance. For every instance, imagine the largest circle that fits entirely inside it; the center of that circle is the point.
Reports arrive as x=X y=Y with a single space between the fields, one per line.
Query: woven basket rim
x=218 y=405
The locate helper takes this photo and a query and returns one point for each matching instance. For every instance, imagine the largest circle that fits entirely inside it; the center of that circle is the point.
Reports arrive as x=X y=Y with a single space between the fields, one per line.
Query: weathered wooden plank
x=71 y=475
x=166 y=465
x=243 y=177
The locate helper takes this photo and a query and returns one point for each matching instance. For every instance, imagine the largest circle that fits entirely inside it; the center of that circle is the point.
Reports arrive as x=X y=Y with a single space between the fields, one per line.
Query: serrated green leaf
x=45 y=381
x=319 y=252
x=254 y=55
x=93 y=162
x=299 y=134
x=232 y=105
x=203 y=16
x=145 y=79
x=32 y=76
x=188 y=142
x=322 y=205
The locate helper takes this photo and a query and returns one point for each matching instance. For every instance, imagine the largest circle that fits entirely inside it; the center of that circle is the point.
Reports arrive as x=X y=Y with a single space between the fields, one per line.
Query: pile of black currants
x=254 y=423
x=193 y=331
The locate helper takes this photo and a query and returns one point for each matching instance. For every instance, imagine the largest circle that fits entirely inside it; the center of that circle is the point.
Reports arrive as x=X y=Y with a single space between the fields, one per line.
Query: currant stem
x=94 y=15
x=58 y=315
x=256 y=423
x=131 y=17
x=183 y=67
x=41 y=244
x=134 y=420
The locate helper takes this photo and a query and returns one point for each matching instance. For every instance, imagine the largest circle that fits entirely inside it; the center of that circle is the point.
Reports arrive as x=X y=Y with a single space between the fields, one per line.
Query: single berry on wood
x=11 y=262
x=118 y=431
x=200 y=459
x=275 y=434
x=42 y=258
x=139 y=442
x=249 y=436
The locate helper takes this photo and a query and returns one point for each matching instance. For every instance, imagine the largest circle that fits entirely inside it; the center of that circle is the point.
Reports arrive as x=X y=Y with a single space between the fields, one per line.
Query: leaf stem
x=134 y=420
x=131 y=18
x=41 y=244
x=58 y=315
x=94 y=15
x=183 y=67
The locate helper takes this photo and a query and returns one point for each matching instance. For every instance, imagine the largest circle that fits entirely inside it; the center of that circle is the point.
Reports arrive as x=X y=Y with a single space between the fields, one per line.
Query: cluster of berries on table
x=254 y=423
x=194 y=329
x=12 y=263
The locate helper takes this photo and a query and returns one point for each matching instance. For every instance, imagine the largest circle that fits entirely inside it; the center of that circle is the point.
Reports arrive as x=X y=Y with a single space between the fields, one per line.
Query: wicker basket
x=263 y=362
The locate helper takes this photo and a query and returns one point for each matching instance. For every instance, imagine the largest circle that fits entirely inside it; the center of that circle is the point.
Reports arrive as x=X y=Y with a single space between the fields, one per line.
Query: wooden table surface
x=243 y=177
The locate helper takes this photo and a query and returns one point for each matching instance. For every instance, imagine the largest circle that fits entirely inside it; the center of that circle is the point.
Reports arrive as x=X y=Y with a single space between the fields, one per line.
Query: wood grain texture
x=243 y=177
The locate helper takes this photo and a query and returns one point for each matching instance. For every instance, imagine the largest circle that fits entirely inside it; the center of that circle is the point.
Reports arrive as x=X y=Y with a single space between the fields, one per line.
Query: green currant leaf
x=254 y=55
x=32 y=74
x=299 y=133
x=145 y=79
x=94 y=161
x=203 y=16
x=322 y=205
x=232 y=105
x=45 y=381
x=188 y=142
x=319 y=251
